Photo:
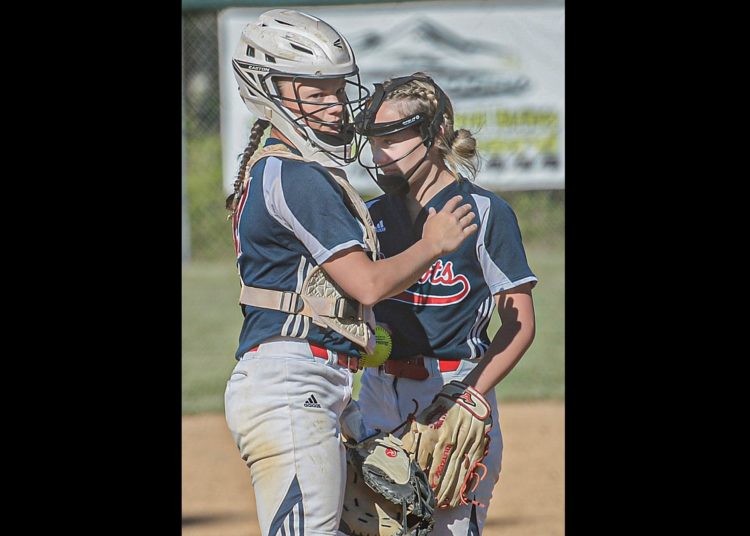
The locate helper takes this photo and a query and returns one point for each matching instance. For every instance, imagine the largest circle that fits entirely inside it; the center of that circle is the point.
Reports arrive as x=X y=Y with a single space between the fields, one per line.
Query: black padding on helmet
x=365 y=124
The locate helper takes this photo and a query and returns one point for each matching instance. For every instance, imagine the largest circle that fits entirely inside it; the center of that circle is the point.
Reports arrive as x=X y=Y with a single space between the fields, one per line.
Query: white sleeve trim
x=495 y=278
x=493 y=275
x=333 y=251
x=504 y=288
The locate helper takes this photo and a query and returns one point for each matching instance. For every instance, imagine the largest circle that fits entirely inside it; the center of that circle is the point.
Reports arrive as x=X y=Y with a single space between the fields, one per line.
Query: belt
x=414 y=369
x=349 y=361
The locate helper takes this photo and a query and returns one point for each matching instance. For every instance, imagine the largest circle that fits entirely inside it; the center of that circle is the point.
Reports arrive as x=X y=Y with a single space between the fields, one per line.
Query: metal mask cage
x=346 y=126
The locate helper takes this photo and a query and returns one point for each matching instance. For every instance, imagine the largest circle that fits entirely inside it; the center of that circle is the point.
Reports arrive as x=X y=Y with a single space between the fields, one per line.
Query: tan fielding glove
x=449 y=440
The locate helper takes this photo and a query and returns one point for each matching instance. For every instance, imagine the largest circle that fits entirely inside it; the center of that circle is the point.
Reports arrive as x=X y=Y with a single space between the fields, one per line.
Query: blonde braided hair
x=458 y=148
x=252 y=145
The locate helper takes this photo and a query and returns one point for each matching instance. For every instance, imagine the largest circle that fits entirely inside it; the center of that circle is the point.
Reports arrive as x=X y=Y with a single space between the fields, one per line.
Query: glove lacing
x=409 y=418
x=474 y=478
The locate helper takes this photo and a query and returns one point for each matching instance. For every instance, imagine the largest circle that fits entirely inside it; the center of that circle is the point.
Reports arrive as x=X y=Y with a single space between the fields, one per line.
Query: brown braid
x=458 y=148
x=255 y=136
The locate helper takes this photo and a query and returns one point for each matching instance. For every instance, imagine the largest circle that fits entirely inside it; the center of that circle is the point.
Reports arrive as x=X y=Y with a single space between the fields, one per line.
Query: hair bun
x=464 y=142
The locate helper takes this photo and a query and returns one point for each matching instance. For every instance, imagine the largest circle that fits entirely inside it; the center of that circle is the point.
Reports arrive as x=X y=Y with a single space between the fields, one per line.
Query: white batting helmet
x=286 y=43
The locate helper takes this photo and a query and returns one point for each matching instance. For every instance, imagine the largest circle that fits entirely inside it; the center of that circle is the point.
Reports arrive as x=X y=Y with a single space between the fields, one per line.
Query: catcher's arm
x=369 y=282
x=516 y=310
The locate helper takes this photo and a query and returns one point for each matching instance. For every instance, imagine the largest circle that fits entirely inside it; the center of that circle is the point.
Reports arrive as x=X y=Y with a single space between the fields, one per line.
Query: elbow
x=367 y=287
x=373 y=288
x=369 y=297
x=367 y=294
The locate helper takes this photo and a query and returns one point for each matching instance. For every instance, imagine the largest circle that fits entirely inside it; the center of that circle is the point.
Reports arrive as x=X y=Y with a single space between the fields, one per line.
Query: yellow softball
x=383 y=347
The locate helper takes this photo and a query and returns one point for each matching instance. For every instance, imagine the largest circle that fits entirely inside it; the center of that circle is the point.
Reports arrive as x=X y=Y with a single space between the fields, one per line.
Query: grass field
x=211 y=322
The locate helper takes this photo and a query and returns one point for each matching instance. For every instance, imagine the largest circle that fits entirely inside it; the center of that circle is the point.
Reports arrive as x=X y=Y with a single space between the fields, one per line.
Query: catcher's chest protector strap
x=355 y=201
x=321 y=299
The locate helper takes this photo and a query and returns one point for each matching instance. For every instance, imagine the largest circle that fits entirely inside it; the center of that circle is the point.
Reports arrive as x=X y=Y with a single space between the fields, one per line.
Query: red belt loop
x=449 y=366
x=318 y=351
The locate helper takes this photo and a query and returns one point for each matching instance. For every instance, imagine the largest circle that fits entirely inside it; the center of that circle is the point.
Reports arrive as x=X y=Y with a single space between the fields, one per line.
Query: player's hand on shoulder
x=448 y=228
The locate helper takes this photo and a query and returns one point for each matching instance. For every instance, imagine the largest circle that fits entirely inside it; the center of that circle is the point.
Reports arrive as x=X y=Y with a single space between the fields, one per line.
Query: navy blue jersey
x=291 y=218
x=445 y=314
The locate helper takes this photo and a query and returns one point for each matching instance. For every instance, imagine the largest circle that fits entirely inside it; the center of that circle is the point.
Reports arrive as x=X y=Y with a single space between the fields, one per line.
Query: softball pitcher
x=305 y=251
x=438 y=325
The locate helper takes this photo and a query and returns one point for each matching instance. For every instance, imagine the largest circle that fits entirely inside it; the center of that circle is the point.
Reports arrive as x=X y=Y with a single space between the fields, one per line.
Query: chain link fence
x=541 y=213
x=209 y=231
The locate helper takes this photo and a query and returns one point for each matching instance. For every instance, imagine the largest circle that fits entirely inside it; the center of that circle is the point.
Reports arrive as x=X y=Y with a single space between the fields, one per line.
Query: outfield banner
x=502 y=67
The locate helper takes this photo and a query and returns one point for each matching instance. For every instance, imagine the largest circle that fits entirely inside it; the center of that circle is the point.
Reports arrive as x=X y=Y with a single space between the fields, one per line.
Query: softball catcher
x=306 y=251
x=439 y=382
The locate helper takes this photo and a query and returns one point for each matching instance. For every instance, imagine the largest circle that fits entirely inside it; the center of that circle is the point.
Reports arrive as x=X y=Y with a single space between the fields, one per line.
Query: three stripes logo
x=312 y=402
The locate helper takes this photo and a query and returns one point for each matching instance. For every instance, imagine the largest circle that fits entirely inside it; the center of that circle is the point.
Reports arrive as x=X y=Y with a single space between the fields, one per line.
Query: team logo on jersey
x=312 y=402
x=438 y=286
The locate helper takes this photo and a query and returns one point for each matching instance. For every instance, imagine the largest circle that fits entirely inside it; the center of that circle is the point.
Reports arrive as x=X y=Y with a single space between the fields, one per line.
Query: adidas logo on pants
x=312 y=402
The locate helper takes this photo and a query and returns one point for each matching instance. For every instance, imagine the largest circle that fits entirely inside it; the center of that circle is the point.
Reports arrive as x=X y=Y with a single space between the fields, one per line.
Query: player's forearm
x=387 y=277
x=516 y=333
x=504 y=353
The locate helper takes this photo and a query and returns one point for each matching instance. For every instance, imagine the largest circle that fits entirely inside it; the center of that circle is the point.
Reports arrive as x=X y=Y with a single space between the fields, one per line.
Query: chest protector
x=321 y=298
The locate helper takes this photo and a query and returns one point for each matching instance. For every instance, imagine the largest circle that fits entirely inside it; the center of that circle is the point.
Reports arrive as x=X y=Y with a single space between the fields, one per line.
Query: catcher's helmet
x=289 y=44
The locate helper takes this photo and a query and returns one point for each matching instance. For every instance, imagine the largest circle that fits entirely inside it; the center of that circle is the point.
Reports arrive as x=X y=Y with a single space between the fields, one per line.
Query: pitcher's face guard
x=366 y=128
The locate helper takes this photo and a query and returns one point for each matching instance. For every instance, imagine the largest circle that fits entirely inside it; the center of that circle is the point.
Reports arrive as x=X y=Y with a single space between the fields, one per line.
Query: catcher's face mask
x=322 y=105
x=395 y=182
